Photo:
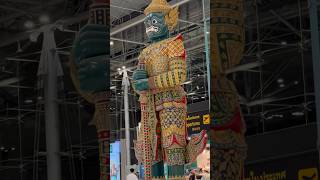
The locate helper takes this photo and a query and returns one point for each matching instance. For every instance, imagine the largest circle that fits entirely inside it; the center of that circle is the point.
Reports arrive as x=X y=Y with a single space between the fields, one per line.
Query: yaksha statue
x=227 y=44
x=158 y=80
x=89 y=69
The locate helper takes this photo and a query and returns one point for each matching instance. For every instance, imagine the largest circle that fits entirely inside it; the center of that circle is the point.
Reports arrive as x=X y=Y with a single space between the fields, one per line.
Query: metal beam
x=245 y=67
x=13 y=9
x=21 y=13
x=6 y=82
x=23 y=2
x=128 y=41
x=285 y=22
x=21 y=60
x=260 y=101
x=24 y=35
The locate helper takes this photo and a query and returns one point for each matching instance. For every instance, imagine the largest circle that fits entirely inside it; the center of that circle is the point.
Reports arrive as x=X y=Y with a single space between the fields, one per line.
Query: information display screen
x=115 y=160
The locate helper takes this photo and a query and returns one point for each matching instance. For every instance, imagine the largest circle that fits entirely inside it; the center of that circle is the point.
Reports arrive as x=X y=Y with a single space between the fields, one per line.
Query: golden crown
x=158 y=6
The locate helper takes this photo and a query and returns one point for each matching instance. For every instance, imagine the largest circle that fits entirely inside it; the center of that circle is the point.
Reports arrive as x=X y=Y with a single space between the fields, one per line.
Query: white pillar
x=126 y=84
x=49 y=70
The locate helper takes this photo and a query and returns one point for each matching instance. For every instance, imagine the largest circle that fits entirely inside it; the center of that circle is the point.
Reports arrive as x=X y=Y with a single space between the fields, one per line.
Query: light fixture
x=119 y=69
x=297 y=113
x=44 y=19
x=280 y=80
x=123 y=67
x=296 y=82
x=19 y=49
x=29 y=24
x=283 y=42
x=187 y=82
x=282 y=85
x=111 y=43
x=28 y=101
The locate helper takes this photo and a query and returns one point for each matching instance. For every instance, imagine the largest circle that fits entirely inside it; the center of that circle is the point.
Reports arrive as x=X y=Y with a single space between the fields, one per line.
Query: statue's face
x=156 y=27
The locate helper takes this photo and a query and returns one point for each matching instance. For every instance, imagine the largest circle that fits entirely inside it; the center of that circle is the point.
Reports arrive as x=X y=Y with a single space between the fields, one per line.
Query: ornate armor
x=227 y=38
x=158 y=78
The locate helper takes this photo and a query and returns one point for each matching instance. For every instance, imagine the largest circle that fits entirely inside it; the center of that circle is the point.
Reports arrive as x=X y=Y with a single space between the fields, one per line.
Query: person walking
x=132 y=175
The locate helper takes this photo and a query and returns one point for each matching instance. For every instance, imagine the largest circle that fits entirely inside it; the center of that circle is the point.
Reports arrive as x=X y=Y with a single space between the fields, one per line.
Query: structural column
x=48 y=72
x=125 y=85
x=313 y=12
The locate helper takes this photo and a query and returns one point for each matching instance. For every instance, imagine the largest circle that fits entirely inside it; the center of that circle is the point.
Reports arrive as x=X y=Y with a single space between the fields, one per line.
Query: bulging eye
x=154 y=21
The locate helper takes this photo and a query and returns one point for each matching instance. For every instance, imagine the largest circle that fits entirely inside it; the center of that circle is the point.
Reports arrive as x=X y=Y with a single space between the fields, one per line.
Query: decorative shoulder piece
x=175 y=47
x=172 y=18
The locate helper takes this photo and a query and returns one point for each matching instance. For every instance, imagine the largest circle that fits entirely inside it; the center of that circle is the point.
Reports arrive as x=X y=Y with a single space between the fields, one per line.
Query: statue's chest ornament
x=156 y=59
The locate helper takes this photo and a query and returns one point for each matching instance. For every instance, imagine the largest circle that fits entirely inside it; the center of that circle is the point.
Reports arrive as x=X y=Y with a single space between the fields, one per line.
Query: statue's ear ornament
x=172 y=18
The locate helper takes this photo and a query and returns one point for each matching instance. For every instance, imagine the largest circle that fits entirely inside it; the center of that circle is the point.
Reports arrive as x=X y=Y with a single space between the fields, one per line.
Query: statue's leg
x=157 y=168
x=157 y=171
x=100 y=120
x=173 y=134
x=228 y=143
x=227 y=135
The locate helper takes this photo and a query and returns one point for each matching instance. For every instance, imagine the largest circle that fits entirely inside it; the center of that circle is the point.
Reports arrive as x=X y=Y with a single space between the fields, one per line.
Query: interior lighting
x=297 y=114
x=29 y=24
x=111 y=43
x=188 y=82
x=28 y=101
x=44 y=19
x=280 y=80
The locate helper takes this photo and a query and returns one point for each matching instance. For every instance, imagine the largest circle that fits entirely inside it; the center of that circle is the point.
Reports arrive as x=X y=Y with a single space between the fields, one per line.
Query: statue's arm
x=139 y=74
x=177 y=73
